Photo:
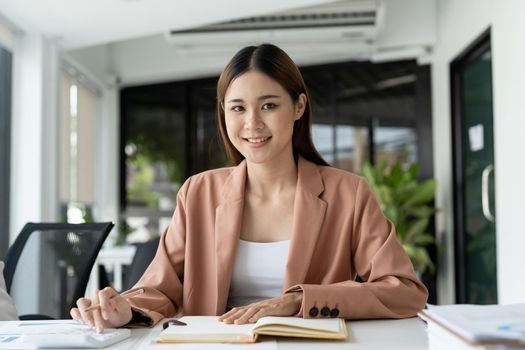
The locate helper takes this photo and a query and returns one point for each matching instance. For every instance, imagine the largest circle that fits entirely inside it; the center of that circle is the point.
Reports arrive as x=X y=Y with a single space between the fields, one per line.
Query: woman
x=281 y=233
x=7 y=308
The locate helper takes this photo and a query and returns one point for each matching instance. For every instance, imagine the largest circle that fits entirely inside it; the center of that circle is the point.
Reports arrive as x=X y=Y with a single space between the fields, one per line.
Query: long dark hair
x=275 y=63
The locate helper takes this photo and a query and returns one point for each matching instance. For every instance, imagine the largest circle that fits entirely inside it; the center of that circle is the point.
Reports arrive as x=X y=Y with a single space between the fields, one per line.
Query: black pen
x=173 y=322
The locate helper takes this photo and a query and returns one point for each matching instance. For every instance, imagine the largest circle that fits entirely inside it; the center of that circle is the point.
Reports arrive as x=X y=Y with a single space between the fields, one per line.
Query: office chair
x=144 y=254
x=48 y=266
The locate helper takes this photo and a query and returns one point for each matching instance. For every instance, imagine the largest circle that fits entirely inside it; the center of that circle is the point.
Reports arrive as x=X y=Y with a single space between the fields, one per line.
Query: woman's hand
x=114 y=310
x=285 y=305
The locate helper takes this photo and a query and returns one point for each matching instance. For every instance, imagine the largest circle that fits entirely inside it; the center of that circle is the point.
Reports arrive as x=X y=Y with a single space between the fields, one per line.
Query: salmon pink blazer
x=339 y=233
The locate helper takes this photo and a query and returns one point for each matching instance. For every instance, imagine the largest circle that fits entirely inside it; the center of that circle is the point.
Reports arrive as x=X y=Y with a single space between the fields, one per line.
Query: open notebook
x=208 y=329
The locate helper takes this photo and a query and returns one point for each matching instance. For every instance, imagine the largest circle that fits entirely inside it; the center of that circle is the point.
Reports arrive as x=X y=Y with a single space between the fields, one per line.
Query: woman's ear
x=300 y=106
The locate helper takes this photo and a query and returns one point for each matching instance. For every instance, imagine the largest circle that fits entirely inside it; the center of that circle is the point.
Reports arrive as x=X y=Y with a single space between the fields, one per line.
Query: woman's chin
x=256 y=159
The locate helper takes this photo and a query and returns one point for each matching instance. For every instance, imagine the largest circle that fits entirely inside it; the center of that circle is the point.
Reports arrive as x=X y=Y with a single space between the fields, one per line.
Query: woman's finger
x=97 y=316
x=75 y=314
x=242 y=319
x=87 y=317
x=106 y=296
x=229 y=313
x=231 y=318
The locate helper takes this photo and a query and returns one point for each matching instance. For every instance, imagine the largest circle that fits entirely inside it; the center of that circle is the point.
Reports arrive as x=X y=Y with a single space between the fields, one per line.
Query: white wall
x=7 y=33
x=50 y=131
x=95 y=62
x=33 y=150
x=107 y=174
x=407 y=23
x=509 y=132
x=459 y=23
x=27 y=131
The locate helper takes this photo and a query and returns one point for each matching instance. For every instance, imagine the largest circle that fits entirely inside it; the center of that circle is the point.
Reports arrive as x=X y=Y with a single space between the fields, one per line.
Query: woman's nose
x=253 y=121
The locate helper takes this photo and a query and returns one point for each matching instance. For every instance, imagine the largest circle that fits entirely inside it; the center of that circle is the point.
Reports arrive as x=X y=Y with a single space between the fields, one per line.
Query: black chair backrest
x=143 y=255
x=48 y=266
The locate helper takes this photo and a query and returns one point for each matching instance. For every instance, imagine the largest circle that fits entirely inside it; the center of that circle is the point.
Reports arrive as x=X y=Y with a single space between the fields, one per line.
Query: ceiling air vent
x=273 y=22
x=341 y=20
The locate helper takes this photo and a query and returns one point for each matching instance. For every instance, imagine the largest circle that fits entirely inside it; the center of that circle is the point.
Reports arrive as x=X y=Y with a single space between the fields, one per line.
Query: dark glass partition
x=5 y=141
x=474 y=175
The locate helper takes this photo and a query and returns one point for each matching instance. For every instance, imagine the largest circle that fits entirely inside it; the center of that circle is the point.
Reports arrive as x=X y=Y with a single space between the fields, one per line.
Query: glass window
x=154 y=146
x=352 y=147
x=169 y=133
x=395 y=144
x=208 y=151
x=343 y=146
x=78 y=120
x=323 y=137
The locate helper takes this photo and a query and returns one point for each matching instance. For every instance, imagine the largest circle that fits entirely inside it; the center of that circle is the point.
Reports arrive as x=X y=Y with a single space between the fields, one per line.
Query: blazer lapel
x=309 y=212
x=228 y=222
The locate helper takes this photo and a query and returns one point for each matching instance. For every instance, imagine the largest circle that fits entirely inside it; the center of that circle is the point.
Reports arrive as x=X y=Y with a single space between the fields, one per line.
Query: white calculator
x=77 y=339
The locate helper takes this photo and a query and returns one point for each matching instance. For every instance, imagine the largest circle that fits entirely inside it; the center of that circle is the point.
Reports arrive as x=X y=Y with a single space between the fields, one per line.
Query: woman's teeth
x=257 y=140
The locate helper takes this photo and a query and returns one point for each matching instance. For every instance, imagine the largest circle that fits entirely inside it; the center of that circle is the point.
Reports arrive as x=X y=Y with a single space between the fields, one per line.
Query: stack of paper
x=468 y=327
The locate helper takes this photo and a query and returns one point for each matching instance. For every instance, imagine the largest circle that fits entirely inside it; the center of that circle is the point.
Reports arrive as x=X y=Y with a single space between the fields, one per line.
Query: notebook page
x=208 y=325
x=327 y=325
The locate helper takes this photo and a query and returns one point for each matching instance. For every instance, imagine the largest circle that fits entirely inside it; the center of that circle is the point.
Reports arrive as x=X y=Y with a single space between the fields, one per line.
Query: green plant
x=122 y=233
x=139 y=183
x=407 y=202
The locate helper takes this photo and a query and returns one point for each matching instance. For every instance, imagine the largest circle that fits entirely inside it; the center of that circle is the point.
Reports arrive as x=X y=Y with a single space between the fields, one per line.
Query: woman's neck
x=271 y=179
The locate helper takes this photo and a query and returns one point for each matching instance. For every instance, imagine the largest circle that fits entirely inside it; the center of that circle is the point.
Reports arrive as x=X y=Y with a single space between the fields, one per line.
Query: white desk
x=407 y=334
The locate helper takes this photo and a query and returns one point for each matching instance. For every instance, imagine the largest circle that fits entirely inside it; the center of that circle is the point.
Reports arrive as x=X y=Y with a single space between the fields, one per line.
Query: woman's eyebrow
x=260 y=98
x=265 y=97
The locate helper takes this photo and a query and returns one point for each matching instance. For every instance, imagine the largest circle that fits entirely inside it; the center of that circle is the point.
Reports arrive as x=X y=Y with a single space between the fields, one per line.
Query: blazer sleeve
x=7 y=308
x=162 y=280
x=390 y=289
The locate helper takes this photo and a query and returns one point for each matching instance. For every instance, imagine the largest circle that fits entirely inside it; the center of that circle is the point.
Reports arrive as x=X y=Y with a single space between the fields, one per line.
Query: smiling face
x=260 y=116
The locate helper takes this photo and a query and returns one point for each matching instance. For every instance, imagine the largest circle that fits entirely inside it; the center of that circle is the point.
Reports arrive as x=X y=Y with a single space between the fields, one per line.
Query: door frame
x=5 y=146
x=468 y=55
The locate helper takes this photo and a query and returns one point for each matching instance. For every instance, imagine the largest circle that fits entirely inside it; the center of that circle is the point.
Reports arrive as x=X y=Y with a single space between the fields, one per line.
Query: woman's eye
x=237 y=108
x=269 y=106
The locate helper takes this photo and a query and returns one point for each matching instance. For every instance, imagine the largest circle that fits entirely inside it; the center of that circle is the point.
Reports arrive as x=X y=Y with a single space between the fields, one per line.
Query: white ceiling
x=81 y=23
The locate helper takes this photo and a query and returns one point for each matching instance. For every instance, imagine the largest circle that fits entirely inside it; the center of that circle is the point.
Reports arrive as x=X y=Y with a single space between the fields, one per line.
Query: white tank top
x=258 y=272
